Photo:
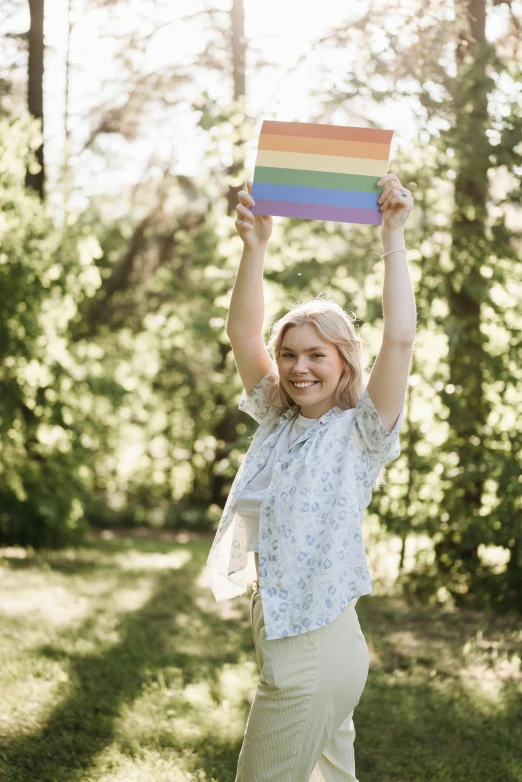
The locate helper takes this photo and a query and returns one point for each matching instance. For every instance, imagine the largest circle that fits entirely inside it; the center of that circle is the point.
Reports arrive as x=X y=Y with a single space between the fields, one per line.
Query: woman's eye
x=314 y=354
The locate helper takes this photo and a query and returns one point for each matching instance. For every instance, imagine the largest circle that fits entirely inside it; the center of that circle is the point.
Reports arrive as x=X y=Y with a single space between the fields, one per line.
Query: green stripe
x=292 y=176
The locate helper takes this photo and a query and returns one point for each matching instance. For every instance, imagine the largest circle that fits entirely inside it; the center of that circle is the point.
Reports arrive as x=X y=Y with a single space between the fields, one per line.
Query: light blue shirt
x=312 y=560
x=250 y=500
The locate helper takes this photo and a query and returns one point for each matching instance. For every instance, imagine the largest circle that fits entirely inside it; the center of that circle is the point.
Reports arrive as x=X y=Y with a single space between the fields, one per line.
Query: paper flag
x=320 y=172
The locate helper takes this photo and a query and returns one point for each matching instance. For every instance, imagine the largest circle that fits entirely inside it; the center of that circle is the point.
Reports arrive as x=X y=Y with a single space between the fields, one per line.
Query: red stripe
x=316 y=130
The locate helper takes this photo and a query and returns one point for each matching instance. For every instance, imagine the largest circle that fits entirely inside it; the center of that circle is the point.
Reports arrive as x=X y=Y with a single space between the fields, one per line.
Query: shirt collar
x=292 y=411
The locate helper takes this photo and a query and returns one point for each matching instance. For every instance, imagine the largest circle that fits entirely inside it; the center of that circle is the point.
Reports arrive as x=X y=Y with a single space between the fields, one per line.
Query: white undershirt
x=248 y=503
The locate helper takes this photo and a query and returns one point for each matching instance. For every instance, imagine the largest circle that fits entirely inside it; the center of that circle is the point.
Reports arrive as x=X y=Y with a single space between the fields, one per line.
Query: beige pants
x=300 y=727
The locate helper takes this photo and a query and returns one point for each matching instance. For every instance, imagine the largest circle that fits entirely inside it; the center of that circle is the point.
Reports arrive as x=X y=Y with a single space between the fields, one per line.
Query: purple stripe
x=340 y=214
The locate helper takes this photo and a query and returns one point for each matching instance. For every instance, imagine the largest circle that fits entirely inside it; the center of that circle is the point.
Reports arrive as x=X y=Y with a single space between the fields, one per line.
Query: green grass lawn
x=116 y=663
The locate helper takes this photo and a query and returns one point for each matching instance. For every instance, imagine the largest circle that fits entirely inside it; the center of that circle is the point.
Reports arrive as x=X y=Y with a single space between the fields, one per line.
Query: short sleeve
x=257 y=404
x=381 y=445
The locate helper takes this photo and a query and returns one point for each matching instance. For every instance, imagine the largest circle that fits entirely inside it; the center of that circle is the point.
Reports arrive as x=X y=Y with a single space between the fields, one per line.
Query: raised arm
x=389 y=376
x=246 y=313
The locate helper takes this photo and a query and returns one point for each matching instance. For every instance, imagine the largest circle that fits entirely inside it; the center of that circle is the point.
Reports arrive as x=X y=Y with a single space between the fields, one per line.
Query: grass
x=116 y=663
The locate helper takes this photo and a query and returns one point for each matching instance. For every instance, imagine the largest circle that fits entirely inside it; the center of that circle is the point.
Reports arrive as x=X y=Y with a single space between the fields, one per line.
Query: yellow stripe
x=324 y=146
x=337 y=165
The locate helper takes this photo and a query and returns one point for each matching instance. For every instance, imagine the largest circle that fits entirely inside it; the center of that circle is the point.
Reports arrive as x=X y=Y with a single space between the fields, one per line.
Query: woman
x=298 y=501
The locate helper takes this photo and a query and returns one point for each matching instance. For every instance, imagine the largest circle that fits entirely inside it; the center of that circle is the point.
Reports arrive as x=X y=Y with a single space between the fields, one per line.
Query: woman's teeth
x=304 y=385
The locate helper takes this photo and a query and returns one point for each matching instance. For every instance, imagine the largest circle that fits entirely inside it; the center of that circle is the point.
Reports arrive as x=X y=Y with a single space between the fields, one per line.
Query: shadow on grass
x=102 y=683
x=412 y=725
x=417 y=718
x=407 y=733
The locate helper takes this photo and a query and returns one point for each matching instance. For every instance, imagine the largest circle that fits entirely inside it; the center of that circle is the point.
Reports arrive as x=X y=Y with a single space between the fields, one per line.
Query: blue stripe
x=315 y=195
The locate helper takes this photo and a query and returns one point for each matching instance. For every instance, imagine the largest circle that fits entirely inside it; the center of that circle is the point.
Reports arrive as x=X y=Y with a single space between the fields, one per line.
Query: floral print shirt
x=312 y=560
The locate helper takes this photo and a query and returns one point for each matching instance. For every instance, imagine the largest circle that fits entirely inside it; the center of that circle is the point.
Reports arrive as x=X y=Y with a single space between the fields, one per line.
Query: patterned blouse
x=312 y=560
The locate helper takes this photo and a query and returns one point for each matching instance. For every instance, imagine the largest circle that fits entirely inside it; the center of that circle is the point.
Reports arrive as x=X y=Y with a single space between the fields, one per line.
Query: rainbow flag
x=320 y=172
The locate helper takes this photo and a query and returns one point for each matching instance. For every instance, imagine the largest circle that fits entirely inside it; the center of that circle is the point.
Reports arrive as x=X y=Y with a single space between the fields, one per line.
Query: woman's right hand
x=254 y=230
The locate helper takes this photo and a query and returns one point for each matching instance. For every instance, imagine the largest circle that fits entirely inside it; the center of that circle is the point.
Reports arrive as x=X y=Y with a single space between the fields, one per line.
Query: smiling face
x=306 y=356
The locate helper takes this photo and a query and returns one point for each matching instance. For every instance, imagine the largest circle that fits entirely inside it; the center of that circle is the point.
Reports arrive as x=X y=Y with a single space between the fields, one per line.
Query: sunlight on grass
x=179 y=718
x=15 y=552
x=489 y=666
x=118 y=659
x=57 y=607
x=225 y=609
x=132 y=598
x=137 y=560
x=69 y=603
x=237 y=684
x=147 y=766
x=479 y=678
x=449 y=658
x=28 y=699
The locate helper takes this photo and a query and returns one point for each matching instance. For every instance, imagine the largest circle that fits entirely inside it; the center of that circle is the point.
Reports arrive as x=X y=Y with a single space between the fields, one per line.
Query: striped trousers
x=300 y=727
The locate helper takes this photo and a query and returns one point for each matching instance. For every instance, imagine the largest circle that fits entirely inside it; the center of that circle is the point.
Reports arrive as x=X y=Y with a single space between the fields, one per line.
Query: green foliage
x=119 y=384
x=43 y=274
x=458 y=480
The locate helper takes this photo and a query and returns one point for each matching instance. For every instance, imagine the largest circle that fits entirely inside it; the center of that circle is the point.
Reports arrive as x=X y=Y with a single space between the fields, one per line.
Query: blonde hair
x=336 y=326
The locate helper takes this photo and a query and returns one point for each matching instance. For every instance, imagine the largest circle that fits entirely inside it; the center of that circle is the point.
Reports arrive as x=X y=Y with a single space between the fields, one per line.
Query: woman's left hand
x=396 y=203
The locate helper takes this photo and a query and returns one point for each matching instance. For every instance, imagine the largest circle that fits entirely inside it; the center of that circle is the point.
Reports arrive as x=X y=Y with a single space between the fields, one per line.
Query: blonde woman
x=299 y=497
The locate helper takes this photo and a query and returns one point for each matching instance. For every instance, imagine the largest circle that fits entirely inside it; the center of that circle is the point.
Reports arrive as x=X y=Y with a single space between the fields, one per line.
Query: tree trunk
x=238 y=46
x=238 y=49
x=227 y=430
x=35 y=87
x=66 y=174
x=466 y=290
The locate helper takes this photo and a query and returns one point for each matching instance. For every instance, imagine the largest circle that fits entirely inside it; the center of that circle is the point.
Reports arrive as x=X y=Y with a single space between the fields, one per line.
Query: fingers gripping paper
x=320 y=172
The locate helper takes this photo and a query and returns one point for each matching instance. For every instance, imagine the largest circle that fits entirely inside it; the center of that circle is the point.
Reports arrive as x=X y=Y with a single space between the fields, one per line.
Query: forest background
x=123 y=143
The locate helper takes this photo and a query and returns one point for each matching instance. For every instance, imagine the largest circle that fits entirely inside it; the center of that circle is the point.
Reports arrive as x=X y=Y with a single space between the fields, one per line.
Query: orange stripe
x=317 y=130
x=321 y=146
